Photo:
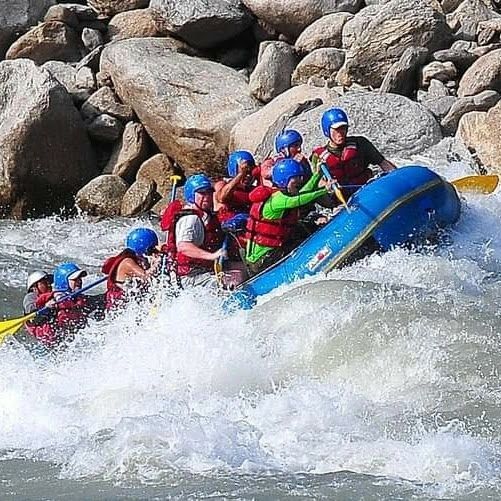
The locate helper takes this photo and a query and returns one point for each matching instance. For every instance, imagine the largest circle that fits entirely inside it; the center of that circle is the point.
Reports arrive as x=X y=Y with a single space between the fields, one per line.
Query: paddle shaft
x=337 y=188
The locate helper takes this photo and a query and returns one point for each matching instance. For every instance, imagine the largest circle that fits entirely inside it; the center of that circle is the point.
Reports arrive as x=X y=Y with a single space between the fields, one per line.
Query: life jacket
x=238 y=202
x=45 y=333
x=115 y=295
x=348 y=168
x=269 y=232
x=213 y=237
x=271 y=161
x=71 y=313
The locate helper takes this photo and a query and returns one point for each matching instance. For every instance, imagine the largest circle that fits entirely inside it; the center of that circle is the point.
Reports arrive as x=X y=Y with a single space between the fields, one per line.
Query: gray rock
x=102 y=196
x=354 y=27
x=157 y=169
x=291 y=18
x=50 y=41
x=139 y=23
x=200 y=23
x=91 y=38
x=66 y=74
x=85 y=81
x=91 y=60
x=111 y=7
x=325 y=32
x=322 y=64
x=63 y=14
x=462 y=59
x=83 y=12
x=106 y=101
x=488 y=31
x=187 y=105
x=16 y=16
x=395 y=124
x=438 y=71
x=129 y=153
x=449 y=6
x=272 y=74
x=465 y=19
x=437 y=89
x=140 y=198
x=480 y=102
x=402 y=76
x=46 y=155
x=485 y=49
x=105 y=128
x=440 y=106
x=483 y=74
x=397 y=25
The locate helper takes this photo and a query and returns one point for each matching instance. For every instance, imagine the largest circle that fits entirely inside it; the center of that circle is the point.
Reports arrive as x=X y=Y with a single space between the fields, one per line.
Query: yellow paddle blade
x=10 y=327
x=477 y=184
x=340 y=197
x=218 y=271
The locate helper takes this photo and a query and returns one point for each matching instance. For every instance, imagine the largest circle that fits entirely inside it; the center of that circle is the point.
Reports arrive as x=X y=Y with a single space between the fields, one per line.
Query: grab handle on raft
x=337 y=189
x=10 y=327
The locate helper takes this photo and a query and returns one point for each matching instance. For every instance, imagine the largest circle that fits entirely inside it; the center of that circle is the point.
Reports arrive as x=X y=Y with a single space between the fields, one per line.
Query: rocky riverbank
x=102 y=100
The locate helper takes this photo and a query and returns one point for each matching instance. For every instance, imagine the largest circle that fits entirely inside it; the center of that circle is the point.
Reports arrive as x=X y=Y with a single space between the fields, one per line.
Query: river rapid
x=379 y=381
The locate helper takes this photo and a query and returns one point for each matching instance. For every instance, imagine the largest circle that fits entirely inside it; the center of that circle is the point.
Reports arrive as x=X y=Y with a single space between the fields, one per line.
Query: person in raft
x=138 y=261
x=288 y=144
x=347 y=157
x=274 y=213
x=195 y=238
x=39 y=295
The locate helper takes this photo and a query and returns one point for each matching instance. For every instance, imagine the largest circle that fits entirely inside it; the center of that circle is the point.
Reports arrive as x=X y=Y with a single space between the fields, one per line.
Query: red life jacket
x=45 y=333
x=349 y=167
x=238 y=202
x=71 y=314
x=213 y=237
x=115 y=295
x=269 y=232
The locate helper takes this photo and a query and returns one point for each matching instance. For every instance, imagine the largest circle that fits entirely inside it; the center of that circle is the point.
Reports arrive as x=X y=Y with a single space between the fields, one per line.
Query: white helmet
x=35 y=277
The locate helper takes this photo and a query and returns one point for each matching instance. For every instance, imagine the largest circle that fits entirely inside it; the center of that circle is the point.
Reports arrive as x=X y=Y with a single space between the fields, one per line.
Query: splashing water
x=380 y=380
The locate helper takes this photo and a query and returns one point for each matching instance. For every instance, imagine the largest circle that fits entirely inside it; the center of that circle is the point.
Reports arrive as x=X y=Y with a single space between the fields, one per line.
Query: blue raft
x=406 y=205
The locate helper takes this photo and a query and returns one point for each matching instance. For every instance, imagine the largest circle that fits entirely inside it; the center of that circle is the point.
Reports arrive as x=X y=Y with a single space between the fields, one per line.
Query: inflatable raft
x=407 y=205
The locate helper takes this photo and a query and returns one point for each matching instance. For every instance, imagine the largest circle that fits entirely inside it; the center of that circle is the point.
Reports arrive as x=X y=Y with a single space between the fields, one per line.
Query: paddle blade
x=340 y=197
x=477 y=184
x=10 y=327
x=218 y=271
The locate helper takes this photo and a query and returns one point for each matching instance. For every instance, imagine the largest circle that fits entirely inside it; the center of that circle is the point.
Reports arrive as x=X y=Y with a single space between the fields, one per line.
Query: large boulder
x=201 y=23
x=483 y=74
x=140 y=197
x=16 y=16
x=325 y=32
x=111 y=7
x=292 y=17
x=321 y=64
x=397 y=126
x=465 y=20
x=397 y=25
x=45 y=155
x=49 y=41
x=139 y=23
x=480 y=132
x=187 y=105
x=272 y=74
x=159 y=170
x=252 y=132
x=102 y=196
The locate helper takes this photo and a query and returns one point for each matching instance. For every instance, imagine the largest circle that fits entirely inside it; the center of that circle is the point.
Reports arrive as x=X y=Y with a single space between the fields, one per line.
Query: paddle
x=218 y=264
x=477 y=184
x=10 y=327
x=337 y=189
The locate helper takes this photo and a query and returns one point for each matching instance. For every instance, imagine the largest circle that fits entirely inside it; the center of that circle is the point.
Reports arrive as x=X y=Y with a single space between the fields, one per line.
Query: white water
x=386 y=368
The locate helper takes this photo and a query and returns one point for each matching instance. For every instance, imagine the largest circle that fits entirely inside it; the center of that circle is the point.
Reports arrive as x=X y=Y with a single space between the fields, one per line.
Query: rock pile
x=102 y=100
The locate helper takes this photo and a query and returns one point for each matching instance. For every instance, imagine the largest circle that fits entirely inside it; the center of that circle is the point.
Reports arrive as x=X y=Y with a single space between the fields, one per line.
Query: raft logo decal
x=318 y=258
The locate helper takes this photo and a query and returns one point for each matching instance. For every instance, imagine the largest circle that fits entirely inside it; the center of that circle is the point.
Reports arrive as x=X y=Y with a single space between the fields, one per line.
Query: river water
x=379 y=381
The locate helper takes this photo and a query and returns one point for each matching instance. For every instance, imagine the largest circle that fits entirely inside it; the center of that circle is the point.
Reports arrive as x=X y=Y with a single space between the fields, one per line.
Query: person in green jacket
x=274 y=213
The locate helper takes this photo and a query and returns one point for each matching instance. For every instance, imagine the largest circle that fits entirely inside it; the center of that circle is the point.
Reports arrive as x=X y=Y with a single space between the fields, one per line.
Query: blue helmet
x=335 y=117
x=284 y=170
x=235 y=158
x=286 y=139
x=63 y=272
x=197 y=182
x=141 y=241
